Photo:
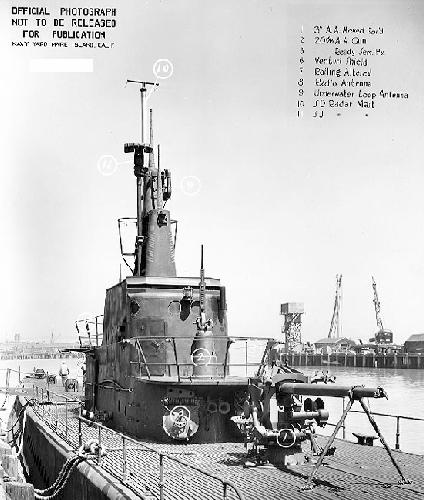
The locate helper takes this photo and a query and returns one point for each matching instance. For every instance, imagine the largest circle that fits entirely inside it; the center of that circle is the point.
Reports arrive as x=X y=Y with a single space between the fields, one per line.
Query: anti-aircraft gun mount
x=297 y=419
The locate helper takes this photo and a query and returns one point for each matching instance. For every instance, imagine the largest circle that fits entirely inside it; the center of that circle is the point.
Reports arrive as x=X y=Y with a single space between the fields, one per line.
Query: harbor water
x=405 y=393
x=404 y=389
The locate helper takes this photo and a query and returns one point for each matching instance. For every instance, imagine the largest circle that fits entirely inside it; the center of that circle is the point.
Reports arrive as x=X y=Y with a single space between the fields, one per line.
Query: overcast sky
x=284 y=204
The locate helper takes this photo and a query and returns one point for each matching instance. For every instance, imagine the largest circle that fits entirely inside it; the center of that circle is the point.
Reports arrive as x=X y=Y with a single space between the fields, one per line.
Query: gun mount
x=203 y=347
x=297 y=418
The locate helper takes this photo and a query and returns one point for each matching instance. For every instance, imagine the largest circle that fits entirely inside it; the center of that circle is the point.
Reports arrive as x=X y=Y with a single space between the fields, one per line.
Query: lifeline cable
x=4 y=401
x=52 y=491
x=59 y=483
x=14 y=440
x=61 y=478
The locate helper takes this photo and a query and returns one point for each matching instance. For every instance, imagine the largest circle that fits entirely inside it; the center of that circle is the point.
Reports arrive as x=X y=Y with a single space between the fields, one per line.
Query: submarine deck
x=354 y=471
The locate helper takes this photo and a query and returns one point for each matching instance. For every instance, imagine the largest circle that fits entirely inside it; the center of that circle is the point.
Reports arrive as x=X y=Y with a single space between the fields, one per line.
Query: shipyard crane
x=382 y=336
x=336 y=324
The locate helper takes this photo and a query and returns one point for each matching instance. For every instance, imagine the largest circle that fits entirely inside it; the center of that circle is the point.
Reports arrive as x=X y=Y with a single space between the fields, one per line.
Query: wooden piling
x=12 y=482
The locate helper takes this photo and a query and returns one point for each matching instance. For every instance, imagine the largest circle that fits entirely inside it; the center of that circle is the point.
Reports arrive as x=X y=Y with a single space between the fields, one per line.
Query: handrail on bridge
x=87 y=322
x=192 y=337
x=230 y=340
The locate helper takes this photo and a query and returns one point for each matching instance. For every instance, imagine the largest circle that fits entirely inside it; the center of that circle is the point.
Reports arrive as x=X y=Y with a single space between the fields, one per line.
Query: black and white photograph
x=212 y=253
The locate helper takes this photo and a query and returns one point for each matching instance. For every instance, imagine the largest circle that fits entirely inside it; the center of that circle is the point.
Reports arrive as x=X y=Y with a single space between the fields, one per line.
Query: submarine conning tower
x=162 y=370
x=154 y=310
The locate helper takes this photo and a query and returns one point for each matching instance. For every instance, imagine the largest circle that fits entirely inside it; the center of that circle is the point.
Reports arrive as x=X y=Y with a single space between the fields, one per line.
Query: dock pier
x=371 y=360
x=12 y=481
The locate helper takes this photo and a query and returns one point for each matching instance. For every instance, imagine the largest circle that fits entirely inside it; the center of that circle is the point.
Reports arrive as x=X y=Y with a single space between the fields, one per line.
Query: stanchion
x=161 y=482
x=397 y=445
x=79 y=432
x=99 y=458
x=66 y=417
x=124 y=460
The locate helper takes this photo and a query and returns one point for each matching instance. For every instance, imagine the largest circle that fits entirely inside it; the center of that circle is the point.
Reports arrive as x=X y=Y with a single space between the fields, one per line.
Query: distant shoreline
x=370 y=360
x=63 y=355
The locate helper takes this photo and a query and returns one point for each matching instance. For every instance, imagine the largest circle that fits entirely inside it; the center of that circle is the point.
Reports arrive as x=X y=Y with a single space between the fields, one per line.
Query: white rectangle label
x=50 y=65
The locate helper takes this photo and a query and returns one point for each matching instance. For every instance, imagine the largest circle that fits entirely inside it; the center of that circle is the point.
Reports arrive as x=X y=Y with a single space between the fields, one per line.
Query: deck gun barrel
x=336 y=391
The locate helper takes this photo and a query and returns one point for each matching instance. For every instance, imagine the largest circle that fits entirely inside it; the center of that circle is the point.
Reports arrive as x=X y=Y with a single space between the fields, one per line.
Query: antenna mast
x=202 y=282
x=336 y=325
x=159 y=191
x=140 y=171
x=151 y=154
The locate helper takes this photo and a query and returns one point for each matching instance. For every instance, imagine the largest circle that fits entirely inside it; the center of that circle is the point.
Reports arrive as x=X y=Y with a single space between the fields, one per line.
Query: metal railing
x=123 y=453
x=50 y=399
x=397 y=417
x=98 y=333
x=226 y=344
x=126 y=440
x=46 y=395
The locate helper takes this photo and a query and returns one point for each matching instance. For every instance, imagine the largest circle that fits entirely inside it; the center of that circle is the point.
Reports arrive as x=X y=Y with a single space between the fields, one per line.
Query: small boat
x=37 y=373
